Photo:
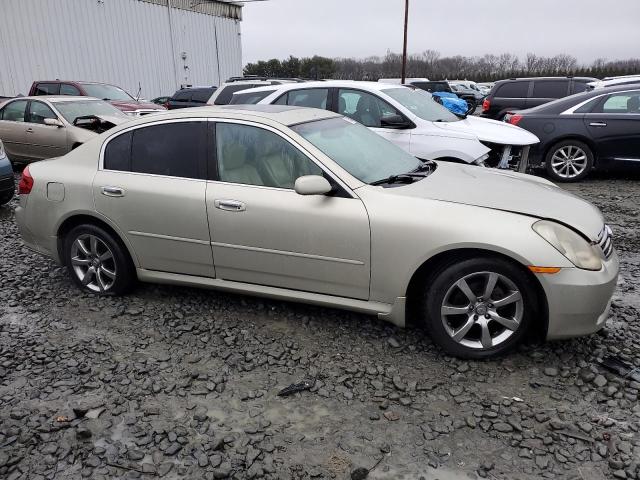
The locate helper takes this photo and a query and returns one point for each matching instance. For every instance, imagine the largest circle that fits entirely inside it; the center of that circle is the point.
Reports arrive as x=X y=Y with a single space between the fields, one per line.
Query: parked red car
x=114 y=95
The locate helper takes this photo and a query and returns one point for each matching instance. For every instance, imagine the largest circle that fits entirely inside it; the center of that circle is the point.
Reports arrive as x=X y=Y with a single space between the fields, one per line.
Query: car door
x=42 y=140
x=614 y=126
x=151 y=185
x=264 y=233
x=373 y=112
x=13 y=128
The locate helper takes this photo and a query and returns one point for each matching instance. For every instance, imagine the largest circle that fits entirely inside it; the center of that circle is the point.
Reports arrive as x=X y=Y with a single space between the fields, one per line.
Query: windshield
x=106 y=92
x=81 y=108
x=421 y=105
x=361 y=152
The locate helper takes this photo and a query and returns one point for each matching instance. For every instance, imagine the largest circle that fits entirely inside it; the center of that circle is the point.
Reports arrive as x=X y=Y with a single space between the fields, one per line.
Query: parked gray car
x=307 y=205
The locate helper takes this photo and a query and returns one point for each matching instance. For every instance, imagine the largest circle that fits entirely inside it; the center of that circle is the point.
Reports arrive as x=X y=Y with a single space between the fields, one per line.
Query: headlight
x=575 y=248
x=2 y=152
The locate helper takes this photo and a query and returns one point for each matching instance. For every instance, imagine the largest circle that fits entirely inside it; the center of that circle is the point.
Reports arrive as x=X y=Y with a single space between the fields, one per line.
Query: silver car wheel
x=569 y=161
x=482 y=310
x=93 y=263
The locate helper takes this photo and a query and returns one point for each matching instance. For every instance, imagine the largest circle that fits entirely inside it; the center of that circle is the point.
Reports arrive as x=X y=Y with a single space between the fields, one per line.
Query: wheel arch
x=81 y=218
x=433 y=265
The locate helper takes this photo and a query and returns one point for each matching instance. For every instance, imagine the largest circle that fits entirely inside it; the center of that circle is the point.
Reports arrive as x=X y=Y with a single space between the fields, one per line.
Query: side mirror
x=394 y=121
x=312 y=185
x=53 y=122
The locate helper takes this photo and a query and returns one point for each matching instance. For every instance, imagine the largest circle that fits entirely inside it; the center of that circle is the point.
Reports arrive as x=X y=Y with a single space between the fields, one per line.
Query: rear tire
x=97 y=261
x=467 y=322
x=569 y=161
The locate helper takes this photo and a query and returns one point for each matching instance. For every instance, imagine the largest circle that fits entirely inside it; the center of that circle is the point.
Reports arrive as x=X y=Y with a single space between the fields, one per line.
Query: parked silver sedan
x=307 y=205
x=35 y=128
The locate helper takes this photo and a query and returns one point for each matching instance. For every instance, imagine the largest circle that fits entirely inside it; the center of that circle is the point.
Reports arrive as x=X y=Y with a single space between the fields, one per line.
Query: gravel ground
x=182 y=383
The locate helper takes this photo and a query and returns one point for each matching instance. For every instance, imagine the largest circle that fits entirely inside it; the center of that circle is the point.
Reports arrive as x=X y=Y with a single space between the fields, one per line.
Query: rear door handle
x=113 y=191
x=29 y=130
x=230 y=205
x=598 y=124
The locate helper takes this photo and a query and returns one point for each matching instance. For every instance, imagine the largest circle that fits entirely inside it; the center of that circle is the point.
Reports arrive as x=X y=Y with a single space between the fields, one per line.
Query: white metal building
x=152 y=45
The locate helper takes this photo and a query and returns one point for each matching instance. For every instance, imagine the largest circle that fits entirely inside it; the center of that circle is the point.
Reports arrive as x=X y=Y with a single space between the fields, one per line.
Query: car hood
x=128 y=106
x=508 y=191
x=491 y=131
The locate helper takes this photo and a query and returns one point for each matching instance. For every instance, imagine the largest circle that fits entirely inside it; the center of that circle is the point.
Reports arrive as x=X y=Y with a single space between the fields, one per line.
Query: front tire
x=6 y=198
x=569 y=161
x=97 y=261
x=478 y=308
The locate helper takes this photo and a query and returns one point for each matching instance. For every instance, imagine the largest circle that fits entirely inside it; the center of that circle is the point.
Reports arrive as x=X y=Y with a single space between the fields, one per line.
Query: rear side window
x=550 y=88
x=14 y=111
x=579 y=87
x=182 y=96
x=66 y=89
x=202 y=96
x=310 y=97
x=47 y=89
x=224 y=97
x=117 y=155
x=513 y=90
x=172 y=149
x=249 y=98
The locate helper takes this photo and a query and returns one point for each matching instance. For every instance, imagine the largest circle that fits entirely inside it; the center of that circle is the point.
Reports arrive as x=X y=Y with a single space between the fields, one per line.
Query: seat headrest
x=234 y=155
x=633 y=104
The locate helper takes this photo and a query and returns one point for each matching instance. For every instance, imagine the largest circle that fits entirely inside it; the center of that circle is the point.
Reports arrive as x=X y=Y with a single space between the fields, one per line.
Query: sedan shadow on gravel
x=176 y=382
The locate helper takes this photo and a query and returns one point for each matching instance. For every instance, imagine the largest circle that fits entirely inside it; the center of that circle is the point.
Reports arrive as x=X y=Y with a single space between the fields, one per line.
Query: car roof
x=283 y=114
x=375 y=86
x=565 y=103
x=528 y=79
x=58 y=98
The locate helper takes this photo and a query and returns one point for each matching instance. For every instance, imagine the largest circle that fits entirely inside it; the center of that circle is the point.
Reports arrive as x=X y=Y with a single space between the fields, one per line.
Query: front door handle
x=113 y=191
x=230 y=205
x=29 y=130
x=598 y=124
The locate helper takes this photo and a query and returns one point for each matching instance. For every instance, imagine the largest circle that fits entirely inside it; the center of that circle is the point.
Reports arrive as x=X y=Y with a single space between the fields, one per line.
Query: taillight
x=515 y=119
x=166 y=105
x=26 y=182
x=486 y=105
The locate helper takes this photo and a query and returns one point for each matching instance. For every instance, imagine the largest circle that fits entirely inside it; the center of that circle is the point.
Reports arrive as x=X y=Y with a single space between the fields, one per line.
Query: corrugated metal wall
x=129 y=43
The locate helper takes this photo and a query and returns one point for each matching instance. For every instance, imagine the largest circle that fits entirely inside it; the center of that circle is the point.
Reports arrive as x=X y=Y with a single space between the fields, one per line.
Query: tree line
x=433 y=65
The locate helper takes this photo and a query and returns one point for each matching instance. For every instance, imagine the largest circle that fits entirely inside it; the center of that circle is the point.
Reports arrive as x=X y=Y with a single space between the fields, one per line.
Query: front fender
x=434 y=147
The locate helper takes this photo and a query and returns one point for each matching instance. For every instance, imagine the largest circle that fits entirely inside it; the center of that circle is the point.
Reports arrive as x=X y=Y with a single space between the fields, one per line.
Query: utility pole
x=404 y=48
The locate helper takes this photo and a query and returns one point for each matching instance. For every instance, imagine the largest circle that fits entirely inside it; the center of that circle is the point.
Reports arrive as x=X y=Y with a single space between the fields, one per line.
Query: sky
x=586 y=29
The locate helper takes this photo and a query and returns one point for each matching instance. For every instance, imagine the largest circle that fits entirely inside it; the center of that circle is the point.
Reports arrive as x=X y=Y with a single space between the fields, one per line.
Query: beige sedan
x=35 y=128
x=307 y=205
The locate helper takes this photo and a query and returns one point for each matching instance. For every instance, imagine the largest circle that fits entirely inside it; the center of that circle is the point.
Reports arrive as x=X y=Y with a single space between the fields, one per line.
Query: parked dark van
x=522 y=93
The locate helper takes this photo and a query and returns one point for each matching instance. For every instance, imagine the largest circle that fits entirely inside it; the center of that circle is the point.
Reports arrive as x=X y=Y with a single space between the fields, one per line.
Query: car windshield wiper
x=401 y=178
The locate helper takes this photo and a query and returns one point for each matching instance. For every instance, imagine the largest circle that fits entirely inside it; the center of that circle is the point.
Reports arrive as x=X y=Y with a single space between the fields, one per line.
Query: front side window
x=364 y=154
x=106 y=92
x=14 y=111
x=421 y=105
x=550 y=88
x=172 y=149
x=310 y=97
x=365 y=108
x=627 y=102
x=38 y=111
x=202 y=96
x=255 y=156
x=47 y=89
x=66 y=89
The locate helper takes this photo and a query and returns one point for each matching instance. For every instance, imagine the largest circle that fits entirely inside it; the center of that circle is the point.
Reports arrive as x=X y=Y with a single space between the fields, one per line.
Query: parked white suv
x=409 y=118
x=223 y=94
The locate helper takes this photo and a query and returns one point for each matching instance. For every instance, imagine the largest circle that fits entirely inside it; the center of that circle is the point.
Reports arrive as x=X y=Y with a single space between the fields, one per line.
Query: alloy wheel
x=93 y=263
x=482 y=310
x=569 y=161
